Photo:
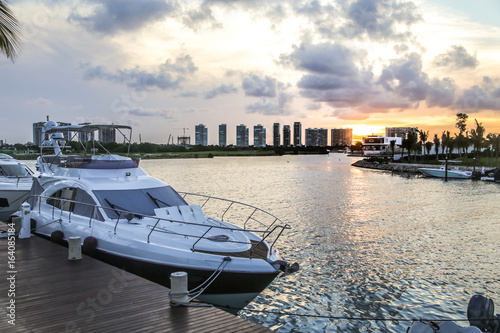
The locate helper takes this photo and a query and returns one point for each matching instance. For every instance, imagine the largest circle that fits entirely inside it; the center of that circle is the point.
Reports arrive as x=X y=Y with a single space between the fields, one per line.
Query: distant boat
x=440 y=172
x=15 y=183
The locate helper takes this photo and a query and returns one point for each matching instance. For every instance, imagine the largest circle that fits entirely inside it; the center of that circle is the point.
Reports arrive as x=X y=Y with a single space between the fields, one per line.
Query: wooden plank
x=54 y=294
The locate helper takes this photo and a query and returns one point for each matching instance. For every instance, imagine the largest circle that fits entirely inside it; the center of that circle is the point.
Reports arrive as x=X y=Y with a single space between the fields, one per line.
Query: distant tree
x=403 y=145
x=393 y=147
x=428 y=147
x=437 y=143
x=411 y=142
x=10 y=32
x=444 y=139
x=423 y=136
x=461 y=122
x=462 y=142
x=493 y=140
x=450 y=145
x=358 y=145
x=477 y=138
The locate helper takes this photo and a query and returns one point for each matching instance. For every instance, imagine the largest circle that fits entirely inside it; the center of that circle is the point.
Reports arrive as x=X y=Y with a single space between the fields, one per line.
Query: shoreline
x=401 y=167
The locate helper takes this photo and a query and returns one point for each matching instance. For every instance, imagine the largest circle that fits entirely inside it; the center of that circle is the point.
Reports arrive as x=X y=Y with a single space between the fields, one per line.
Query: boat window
x=138 y=201
x=81 y=202
x=60 y=199
x=14 y=171
x=86 y=206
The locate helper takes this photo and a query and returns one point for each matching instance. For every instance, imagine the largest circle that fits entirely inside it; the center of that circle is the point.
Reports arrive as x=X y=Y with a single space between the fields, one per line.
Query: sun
x=364 y=130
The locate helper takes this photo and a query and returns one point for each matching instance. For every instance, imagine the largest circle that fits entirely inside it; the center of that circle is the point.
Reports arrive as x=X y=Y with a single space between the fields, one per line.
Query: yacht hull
x=231 y=290
x=440 y=173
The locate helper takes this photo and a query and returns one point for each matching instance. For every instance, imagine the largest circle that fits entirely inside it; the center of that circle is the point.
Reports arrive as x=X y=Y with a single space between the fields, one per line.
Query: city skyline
x=161 y=66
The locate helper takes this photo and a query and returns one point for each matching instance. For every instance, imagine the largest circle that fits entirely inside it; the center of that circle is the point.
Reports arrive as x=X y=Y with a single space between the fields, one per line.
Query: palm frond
x=10 y=32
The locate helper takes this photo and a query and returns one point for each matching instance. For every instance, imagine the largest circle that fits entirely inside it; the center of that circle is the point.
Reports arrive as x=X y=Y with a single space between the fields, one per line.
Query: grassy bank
x=197 y=154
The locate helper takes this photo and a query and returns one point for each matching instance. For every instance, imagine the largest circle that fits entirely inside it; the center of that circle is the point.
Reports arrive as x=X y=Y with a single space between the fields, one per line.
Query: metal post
x=74 y=248
x=25 y=231
x=179 y=288
x=446 y=169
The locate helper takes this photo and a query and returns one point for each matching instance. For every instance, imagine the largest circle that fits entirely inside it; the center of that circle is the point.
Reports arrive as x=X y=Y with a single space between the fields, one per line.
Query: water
x=370 y=244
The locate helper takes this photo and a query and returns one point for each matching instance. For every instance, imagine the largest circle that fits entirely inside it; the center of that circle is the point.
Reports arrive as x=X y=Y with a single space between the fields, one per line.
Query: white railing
x=270 y=232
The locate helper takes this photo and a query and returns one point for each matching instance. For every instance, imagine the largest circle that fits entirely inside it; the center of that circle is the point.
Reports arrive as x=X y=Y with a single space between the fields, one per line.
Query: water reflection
x=371 y=244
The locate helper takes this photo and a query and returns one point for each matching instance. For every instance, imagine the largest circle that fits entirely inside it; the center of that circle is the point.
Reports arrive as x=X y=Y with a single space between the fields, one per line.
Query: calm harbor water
x=370 y=244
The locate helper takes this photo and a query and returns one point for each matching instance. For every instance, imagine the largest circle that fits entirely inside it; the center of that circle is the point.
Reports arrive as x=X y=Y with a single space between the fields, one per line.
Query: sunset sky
x=162 y=66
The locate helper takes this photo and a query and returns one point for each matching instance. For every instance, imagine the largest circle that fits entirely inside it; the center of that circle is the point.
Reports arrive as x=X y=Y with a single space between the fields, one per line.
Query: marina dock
x=43 y=291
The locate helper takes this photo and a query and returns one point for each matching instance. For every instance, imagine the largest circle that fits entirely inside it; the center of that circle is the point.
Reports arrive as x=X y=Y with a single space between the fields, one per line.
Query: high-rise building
x=38 y=132
x=201 y=135
x=286 y=135
x=323 y=137
x=222 y=135
x=341 y=137
x=85 y=136
x=297 y=134
x=259 y=136
x=107 y=135
x=241 y=136
x=316 y=137
x=399 y=132
x=276 y=135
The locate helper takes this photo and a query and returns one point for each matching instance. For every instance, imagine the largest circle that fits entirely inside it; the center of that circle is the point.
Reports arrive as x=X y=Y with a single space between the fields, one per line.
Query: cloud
x=256 y=86
x=42 y=102
x=332 y=77
x=405 y=77
x=380 y=20
x=321 y=82
x=325 y=58
x=196 y=19
x=168 y=76
x=140 y=112
x=280 y=105
x=457 y=57
x=221 y=90
x=111 y=16
x=441 y=93
x=183 y=65
x=480 y=97
x=188 y=94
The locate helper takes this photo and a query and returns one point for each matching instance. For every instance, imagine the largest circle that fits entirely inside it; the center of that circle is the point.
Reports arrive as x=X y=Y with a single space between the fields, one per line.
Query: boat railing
x=254 y=214
x=276 y=228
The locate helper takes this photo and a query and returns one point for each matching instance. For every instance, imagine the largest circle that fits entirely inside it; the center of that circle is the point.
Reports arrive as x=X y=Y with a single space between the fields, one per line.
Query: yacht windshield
x=14 y=171
x=138 y=201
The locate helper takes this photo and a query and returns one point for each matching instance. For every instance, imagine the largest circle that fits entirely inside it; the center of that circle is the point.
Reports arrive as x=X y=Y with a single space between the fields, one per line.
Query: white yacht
x=441 y=172
x=139 y=223
x=15 y=184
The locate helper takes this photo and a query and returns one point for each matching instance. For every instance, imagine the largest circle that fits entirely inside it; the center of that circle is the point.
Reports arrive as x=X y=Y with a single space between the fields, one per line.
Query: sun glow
x=364 y=130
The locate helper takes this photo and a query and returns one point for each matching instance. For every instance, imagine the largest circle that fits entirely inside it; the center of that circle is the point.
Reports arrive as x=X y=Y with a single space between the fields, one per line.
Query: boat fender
x=15 y=220
x=90 y=246
x=480 y=313
x=57 y=236
x=285 y=267
x=12 y=217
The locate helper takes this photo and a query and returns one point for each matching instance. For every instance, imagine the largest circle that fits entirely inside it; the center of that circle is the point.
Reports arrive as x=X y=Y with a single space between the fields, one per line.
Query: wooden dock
x=54 y=294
